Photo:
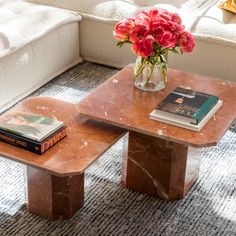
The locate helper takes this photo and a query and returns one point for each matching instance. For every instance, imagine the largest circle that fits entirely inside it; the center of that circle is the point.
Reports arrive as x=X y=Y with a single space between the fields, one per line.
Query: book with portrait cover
x=186 y=108
x=31 y=131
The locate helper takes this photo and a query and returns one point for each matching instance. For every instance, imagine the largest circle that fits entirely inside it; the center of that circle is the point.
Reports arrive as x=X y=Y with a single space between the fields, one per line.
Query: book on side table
x=186 y=108
x=30 y=131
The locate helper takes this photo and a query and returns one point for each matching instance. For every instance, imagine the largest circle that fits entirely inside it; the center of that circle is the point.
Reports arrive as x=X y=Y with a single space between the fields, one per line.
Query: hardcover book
x=186 y=108
x=30 y=131
x=191 y=105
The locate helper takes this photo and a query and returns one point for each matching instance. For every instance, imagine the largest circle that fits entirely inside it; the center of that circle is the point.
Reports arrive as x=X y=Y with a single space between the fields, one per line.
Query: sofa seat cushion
x=21 y=23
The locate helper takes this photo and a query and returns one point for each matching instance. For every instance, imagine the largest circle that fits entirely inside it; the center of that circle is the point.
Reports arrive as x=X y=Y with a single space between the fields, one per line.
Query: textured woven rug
x=109 y=208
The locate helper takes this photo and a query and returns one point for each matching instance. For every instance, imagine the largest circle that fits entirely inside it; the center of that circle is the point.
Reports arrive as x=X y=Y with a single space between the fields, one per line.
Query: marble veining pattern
x=159 y=167
x=160 y=190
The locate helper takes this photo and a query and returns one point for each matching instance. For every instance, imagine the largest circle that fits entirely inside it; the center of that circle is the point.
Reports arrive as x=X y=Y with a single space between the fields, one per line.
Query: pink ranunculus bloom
x=142 y=18
x=178 y=28
x=164 y=14
x=156 y=14
x=165 y=33
x=144 y=47
x=123 y=28
x=153 y=14
x=172 y=17
x=139 y=31
x=186 y=42
x=176 y=18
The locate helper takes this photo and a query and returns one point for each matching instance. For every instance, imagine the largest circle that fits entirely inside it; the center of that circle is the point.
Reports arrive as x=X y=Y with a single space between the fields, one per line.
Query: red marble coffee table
x=56 y=178
x=162 y=159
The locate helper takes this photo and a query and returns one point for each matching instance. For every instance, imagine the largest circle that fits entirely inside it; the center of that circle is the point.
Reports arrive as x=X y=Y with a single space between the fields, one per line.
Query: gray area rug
x=109 y=208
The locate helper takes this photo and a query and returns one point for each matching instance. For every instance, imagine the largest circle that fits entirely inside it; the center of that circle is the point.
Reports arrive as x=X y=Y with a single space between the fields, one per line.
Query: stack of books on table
x=31 y=131
x=186 y=108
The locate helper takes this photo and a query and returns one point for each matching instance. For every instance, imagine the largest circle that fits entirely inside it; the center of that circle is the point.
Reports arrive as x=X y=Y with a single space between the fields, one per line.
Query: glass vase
x=150 y=76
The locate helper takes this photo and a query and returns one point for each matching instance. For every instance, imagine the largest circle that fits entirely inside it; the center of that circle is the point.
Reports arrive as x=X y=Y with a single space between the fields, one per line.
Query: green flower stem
x=141 y=67
x=164 y=75
x=150 y=73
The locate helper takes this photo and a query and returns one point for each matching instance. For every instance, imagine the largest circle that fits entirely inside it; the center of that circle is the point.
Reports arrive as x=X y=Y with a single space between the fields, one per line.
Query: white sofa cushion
x=111 y=9
x=202 y=17
x=21 y=23
x=211 y=22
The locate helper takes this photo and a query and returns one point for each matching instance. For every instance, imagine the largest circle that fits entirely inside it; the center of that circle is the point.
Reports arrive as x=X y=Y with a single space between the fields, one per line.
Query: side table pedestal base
x=159 y=167
x=54 y=197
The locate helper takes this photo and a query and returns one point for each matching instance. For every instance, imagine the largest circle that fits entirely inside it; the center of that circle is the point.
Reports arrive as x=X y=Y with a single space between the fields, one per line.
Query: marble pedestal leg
x=158 y=167
x=54 y=197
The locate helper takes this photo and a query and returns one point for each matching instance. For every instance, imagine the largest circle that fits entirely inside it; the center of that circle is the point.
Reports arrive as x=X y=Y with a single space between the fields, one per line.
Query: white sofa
x=37 y=43
x=214 y=30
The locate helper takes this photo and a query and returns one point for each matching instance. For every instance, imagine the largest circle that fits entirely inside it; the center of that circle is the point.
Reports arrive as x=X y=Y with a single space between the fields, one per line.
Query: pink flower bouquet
x=152 y=34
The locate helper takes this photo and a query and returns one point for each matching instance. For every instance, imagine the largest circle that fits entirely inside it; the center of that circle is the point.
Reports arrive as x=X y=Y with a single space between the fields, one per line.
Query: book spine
x=18 y=142
x=52 y=140
x=205 y=108
x=32 y=146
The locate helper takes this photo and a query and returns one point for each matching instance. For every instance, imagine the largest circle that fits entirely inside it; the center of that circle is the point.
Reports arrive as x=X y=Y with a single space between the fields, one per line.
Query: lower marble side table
x=161 y=159
x=56 y=179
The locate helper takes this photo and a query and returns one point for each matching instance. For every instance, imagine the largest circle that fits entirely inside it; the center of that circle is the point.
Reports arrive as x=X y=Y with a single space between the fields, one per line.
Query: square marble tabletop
x=86 y=141
x=119 y=103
